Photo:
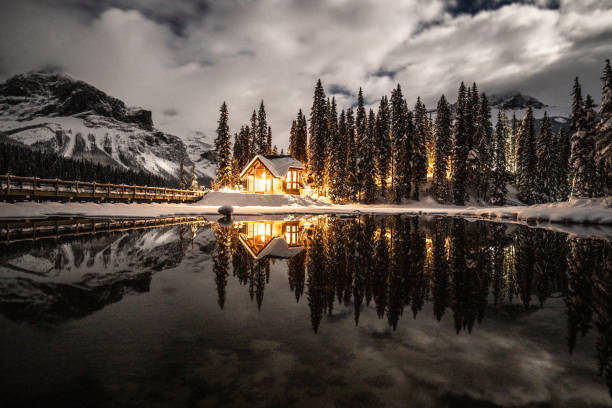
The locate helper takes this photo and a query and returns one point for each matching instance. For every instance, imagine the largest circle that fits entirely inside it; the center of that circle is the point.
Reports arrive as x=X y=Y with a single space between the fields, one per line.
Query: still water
x=359 y=312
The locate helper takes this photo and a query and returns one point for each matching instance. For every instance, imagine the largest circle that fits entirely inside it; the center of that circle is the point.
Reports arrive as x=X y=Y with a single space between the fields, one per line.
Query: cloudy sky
x=183 y=58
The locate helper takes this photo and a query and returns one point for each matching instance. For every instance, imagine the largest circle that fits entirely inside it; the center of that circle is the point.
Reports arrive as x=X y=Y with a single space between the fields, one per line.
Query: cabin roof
x=278 y=165
x=276 y=248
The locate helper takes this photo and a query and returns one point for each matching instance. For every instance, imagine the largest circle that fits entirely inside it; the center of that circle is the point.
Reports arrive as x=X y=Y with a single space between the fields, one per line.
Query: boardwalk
x=34 y=188
x=32 y=230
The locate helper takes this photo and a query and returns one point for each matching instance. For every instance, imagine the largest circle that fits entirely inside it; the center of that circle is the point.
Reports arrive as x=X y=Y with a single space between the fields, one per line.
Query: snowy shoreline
x=580 y=217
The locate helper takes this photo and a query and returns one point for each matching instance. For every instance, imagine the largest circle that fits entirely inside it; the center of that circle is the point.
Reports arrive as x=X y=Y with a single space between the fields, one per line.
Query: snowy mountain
x=57 y=113
x=514 y=101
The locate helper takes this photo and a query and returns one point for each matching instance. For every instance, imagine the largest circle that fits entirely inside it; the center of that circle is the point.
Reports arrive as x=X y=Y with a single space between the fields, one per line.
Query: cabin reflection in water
x=273 y=239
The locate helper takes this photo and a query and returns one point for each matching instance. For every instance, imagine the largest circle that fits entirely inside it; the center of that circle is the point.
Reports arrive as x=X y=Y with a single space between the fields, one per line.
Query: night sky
x=183 y=58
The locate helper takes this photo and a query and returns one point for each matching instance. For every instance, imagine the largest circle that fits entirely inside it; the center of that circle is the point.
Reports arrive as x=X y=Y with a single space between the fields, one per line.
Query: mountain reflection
x=396 y=264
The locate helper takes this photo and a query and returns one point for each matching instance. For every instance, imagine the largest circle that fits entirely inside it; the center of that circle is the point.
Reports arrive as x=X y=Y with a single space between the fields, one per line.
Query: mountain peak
x=515 y=100
x=52 y=93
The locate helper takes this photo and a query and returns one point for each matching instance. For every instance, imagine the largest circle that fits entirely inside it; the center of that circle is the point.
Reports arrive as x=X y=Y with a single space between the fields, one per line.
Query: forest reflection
x=397 y=264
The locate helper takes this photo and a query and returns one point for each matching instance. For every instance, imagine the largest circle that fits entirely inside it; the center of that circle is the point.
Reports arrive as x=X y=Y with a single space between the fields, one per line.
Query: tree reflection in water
x=398 y=263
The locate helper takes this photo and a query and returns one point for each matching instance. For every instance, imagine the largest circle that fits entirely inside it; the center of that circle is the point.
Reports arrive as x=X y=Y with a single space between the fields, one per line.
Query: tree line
x=363 y=155
x=21 y=160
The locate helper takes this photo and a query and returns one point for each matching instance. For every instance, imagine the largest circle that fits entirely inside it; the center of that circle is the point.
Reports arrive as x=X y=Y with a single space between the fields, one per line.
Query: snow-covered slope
x=57 y=113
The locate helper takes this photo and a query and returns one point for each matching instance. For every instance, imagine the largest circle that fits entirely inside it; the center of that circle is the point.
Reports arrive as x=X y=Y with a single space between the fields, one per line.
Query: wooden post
x=108 y=188
x=56 y=187
x=34 y=187
x=77 y=189
x=134 y=195
x=8 y=184
x=93 y=189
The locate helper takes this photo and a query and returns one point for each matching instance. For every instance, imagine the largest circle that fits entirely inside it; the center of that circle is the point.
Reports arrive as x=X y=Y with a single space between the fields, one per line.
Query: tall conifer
x=526 y=158
x=461 y=132
x=318 y=136
x=223 y=151
x=444 y=146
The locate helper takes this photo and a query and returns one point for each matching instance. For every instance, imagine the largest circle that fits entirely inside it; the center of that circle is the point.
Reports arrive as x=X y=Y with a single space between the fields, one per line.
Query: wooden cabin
x=273 y=174
x=275 y=239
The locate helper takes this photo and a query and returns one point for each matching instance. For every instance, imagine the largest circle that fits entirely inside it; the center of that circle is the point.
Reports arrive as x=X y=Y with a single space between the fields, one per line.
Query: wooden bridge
x=34 y=188
x=32 y=230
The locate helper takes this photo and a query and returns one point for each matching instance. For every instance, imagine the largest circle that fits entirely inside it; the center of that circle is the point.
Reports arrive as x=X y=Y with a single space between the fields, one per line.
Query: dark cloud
x=473 y=7
x=335 y=89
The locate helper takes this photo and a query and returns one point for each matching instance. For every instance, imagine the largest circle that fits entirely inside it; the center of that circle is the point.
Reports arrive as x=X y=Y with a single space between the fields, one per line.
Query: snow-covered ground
x=583 y=216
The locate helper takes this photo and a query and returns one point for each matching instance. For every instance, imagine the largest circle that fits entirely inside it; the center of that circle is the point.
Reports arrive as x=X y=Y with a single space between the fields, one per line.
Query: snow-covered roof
x=277 y=165
x=277 y=248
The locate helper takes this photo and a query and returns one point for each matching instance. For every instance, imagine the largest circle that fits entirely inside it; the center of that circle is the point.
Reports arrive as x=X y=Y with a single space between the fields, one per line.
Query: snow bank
x=576 y=216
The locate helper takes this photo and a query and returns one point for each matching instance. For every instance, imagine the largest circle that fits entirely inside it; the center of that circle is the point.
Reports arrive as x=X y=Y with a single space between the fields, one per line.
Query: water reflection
x=397 y=264
x=467 y=271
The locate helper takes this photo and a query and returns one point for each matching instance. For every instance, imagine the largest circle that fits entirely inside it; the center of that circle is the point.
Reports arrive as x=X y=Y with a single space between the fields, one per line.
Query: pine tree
x=368 y=160
x=577 y=112
x=484 y=148
x=223 y=151
x=253 y=141
x=473 y=113
x=511 y=146
x=526 y=159
x=292 y=138
x=262 y=130
x=269 y=140
x=275 y=150
x=498 y=185
x=351 y=157
x=459 y=164
x=361 y=142
x=582 y=165
x=546 y=154
x=563 y=157
x=444 y=146
x=383 y=144
x=603 y=143
x=299 y=139
x=331 y=173
x=337 y=158
x=405 y=165
x=400 y=165
x=419 y=147
x=318 y=137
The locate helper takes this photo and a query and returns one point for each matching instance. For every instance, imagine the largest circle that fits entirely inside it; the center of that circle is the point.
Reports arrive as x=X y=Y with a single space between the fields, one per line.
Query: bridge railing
x=41 y=188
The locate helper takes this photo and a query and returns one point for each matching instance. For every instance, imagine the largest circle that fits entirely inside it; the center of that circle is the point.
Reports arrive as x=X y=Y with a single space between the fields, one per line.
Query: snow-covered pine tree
x=444 y=146
x=351 y=157
x=337 y=159
x=577 y=111
x=236 y=154
x=419 y=159
x=582 y=165
x=298 y=149
x=223 y=151
x=461 y=132
x=253 y=149
x=274 y=150
x=473 y=113
x=603 y=143
x=399 y=164
x=405 y=166
x=269 y=141
x=368 y=160
x=484 y=149
x=383 y=144
x=331 y=172
x=292 y=138
x=361 y=142
x=547 y=168
x=563 y=149
x=262 y=130
x=511 y=146
x=526 y=158
x=499 y=173
x=318 y=137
